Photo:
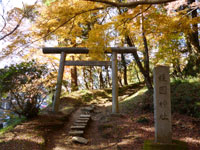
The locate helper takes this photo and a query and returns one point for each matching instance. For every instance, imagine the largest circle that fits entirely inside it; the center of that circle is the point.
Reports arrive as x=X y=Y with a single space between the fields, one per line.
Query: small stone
x=93 y=106
x=80 y=140
x=76 y=133
x=77 y=127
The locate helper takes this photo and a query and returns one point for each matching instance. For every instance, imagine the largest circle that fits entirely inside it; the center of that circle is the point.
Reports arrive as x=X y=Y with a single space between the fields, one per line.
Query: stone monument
x=162 y=114
x=162 y=105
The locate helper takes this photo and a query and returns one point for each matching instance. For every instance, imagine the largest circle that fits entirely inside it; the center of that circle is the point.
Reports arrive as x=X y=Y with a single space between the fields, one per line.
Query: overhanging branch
x=17 y=25
x=131 y=4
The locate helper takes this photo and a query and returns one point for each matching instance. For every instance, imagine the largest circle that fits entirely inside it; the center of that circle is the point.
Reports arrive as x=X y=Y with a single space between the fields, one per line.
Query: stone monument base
x=176 y=145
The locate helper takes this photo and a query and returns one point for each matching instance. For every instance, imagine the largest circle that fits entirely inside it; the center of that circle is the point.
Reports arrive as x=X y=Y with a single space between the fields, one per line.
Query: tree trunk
x=137 y=74
x=193 y=37
x=108 y=84
x=147 y=78
x=85 y=78
x=101 y=79
x=193 y=47
x=125 y=69
x=146 y=49
x=74 y=80
x=146 y=57
x=91 y=78
x=120 y=79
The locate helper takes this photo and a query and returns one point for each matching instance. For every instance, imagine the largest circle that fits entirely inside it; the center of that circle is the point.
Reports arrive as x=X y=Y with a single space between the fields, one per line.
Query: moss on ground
x=176 y=145
x=11 y=124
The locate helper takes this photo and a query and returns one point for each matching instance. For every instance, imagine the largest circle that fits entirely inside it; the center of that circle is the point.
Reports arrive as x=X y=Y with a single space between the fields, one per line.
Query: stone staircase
x=80 y=124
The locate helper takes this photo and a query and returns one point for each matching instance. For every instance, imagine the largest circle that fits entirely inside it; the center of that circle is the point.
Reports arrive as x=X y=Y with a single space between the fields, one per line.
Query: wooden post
x=115 y=107
x=56 y=102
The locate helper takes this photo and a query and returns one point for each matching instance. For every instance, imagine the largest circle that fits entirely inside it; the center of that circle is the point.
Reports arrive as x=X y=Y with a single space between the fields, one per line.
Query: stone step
x=81 y=121
x=87 y=109
x=86 y=112
x=80 y=140
x=78 y=127
x=80 y=124
x=85 y=116
x=76 y=133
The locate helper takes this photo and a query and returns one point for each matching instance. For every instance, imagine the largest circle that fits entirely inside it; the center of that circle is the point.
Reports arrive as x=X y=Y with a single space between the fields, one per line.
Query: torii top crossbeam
x=83 y=50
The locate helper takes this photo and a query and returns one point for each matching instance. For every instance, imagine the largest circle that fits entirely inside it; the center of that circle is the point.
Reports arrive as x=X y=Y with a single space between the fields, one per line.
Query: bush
x=23 y=85
x=185 y=96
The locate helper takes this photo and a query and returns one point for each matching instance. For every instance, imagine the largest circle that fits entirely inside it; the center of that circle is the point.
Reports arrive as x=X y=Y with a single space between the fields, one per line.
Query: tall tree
x=91 y=78
x=147 y=78
x=194 y=35
x=125 y=69
x=85 y=77
x=101 y=80
x=74 y=78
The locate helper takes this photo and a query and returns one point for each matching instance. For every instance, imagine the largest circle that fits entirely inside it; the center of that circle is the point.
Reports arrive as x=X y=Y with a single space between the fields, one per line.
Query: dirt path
x=60 y=139
x=56 y=140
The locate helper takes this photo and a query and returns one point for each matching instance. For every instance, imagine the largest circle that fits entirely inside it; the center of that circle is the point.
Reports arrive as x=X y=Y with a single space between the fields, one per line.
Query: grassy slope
x=185 y=98
x=133 y=101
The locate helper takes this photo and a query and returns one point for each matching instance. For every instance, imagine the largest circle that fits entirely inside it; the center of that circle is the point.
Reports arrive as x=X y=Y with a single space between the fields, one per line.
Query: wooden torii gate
x=80 y=50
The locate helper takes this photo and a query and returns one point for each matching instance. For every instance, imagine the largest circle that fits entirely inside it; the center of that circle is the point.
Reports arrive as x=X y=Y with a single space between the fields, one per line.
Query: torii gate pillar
x=56 y=101
x=115 y=105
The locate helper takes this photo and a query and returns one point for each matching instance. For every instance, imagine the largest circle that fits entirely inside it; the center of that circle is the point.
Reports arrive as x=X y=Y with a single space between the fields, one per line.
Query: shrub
x=23 y=85
x=185 y=96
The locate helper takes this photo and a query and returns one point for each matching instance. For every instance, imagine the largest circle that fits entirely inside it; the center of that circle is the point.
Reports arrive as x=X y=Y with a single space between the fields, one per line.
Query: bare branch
x=131 y=4
x=4 y=23
x=129 y=19
x=18 y=24
x=141 y=12
x=11 y=32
